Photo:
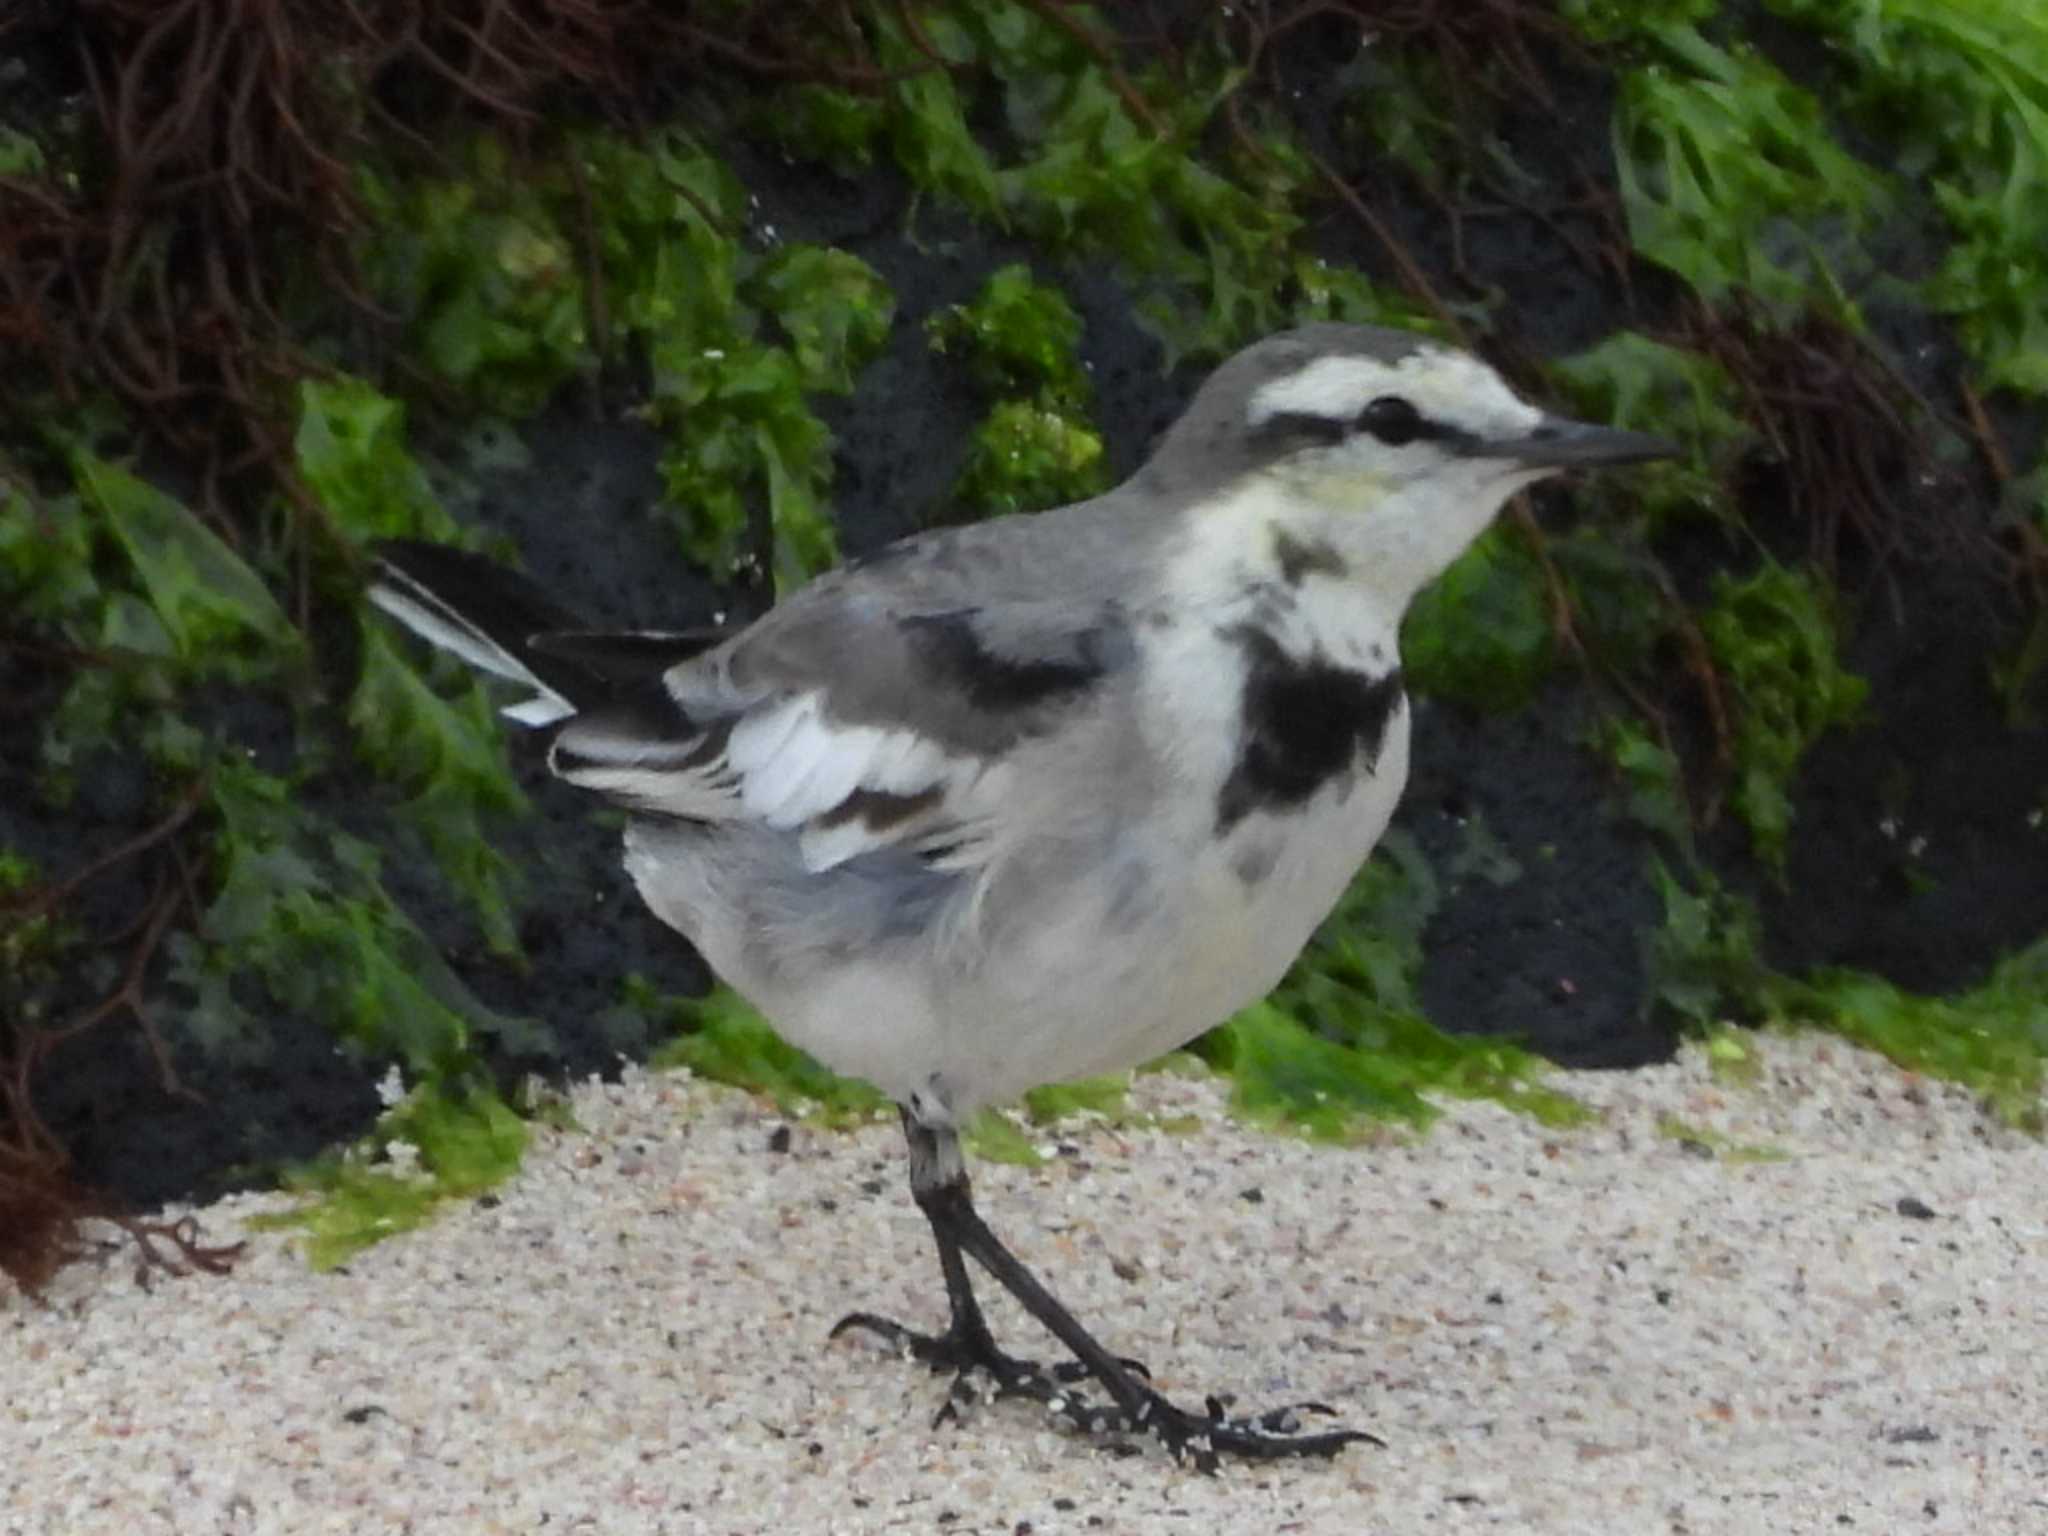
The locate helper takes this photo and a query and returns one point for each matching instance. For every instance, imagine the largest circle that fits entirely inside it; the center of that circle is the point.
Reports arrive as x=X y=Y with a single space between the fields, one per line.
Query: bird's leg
x=939 y=1183
x=967 y=1345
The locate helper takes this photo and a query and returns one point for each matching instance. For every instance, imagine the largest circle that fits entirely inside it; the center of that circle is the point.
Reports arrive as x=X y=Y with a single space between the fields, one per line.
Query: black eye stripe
x=1295 y=425
x=1388 y=419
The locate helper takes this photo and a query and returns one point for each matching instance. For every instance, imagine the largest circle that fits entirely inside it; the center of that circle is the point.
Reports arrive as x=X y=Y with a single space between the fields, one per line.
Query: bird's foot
x=974 y=1360
x=1203 y=1438
x=1208 y=1437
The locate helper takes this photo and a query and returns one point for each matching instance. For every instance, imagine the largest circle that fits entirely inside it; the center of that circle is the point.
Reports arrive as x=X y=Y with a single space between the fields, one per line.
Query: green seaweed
x=350 y=451
x=436 y=1144
x=1960 y=93
x=1705 y=958
x=124 y=573
x=732 y=405
x=299 y=910
x=1024 y=456
x=1035 y=448
x=20 y=154
x=207 y=607
x=484 y=273
x=1712 y=1143
x=1652 y=778
x=479 y=273
x=1018 y=337
x=722 y=1038
x=1992 y=1038
x=1343 y=1041
x=1706 y=963
x=1728 y=174
x=1211 y=240
x=450 y=757
x=1773 y=634
x=47 y=576
x=1481 y=633
x=33 y=950
x=1648 y=386
x=1731 y=1058
x=837 y=128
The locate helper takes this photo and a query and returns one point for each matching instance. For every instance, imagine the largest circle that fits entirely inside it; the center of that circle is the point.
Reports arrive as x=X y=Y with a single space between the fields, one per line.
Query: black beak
x=1558 y=442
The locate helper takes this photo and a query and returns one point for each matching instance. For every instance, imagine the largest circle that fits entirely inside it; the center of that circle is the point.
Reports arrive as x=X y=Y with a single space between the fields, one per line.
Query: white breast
x=1254 y=899
x=1182 y=927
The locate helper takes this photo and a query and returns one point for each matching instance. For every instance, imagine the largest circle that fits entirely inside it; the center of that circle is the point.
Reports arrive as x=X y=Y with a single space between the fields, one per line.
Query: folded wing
x=873 y=710
x=857 y=728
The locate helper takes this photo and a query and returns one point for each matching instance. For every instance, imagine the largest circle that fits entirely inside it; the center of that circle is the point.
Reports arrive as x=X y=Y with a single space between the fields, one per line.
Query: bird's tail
x=502 y=623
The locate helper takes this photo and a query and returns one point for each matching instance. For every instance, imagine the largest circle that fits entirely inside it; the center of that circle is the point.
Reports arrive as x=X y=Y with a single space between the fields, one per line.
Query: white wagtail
x=1047 y=796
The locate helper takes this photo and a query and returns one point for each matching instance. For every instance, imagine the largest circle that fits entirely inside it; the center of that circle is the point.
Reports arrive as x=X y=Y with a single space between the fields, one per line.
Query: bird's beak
x=1557 y=442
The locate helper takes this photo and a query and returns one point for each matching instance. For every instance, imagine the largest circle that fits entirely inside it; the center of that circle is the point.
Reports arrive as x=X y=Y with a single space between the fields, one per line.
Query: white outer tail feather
x=427 y=616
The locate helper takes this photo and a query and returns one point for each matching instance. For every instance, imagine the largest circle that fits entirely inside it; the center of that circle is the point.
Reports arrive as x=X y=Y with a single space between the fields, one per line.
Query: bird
x=1048 y=795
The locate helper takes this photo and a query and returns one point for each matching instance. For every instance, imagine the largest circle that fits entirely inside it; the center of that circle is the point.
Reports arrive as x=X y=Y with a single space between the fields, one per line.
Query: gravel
x=1818 y=1302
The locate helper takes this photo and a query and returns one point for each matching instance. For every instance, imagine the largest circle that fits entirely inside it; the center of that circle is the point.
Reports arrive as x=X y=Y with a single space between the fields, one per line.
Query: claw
x=890 y=1331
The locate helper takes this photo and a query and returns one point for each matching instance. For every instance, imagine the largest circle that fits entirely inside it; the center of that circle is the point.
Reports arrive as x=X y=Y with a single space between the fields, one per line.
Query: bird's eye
x=1393 y=421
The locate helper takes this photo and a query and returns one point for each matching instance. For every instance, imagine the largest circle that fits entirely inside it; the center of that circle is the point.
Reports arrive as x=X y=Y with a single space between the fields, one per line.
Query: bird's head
x=1405 y=445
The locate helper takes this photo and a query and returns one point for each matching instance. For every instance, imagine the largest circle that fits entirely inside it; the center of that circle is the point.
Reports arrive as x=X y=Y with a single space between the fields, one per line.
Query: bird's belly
x=1090 y=997
x=1079 y=975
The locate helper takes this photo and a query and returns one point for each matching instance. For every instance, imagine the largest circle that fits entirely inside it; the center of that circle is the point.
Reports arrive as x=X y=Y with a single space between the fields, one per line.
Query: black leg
x=967 y=1345
x=939 y=1184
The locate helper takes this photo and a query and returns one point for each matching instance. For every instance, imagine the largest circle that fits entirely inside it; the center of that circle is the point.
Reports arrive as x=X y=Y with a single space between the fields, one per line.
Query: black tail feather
x=503 y=622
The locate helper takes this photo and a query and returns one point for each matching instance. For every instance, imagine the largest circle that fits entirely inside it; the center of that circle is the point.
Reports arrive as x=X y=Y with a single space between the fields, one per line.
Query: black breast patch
x=1305 y=721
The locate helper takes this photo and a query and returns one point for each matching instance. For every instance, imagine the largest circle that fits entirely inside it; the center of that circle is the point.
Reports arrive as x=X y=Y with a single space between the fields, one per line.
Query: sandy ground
x=1613 y=1329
